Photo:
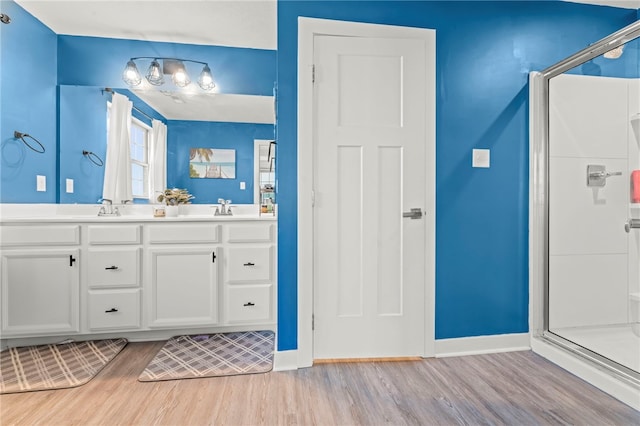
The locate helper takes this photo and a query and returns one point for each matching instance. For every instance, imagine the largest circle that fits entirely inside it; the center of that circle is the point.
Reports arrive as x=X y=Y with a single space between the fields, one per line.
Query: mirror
x=55 y=85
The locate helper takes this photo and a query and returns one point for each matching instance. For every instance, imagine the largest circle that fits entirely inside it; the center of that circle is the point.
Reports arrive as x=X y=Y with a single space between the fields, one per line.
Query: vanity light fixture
x=159 y=67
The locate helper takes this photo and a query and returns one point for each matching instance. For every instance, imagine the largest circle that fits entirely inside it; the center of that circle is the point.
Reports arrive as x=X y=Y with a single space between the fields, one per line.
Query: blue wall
x=93 y=61
x=28 y=59
x=485 y=51
x=183 y=135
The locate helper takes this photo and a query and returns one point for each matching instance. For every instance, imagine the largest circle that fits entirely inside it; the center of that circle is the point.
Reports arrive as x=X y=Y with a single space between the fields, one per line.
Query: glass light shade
x=130 y=75
x=205 y=81
x=154 y=74
x=180 y=77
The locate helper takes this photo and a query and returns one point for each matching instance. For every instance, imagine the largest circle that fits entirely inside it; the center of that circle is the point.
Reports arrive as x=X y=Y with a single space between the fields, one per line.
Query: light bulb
x=205 y=81
x=130 y=75
x=180 y=77
x=154 y=74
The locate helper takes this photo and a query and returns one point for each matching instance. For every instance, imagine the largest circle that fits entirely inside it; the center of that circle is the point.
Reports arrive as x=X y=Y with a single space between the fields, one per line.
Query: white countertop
x=88 y=213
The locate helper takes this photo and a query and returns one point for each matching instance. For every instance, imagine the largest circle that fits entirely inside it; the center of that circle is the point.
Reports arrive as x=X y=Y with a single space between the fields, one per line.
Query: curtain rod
x=110 y=90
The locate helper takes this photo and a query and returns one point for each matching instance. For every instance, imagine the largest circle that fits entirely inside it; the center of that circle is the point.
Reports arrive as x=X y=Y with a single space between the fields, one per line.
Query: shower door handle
x=632 y=224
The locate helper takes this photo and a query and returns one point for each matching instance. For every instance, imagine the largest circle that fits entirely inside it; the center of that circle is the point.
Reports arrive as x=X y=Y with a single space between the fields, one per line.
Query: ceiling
x=235 y=23
x=627 y=4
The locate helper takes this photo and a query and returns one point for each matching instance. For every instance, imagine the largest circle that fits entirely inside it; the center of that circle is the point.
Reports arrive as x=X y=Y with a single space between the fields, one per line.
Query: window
x=139 y=148
x=139 y=141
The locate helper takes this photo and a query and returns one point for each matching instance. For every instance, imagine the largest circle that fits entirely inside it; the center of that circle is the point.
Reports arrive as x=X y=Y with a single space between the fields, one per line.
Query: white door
x=370 y=137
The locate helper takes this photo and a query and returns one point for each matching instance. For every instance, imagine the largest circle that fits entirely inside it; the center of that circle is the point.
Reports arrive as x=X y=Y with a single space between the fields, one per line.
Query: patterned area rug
x=45 y=367
x=210 y=355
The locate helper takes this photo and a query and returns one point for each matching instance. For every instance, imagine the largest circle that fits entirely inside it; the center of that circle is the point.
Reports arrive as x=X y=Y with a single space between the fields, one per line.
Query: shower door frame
x=539 y=202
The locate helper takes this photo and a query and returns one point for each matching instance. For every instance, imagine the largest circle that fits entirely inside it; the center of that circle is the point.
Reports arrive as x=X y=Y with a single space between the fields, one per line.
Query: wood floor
x=518 y=388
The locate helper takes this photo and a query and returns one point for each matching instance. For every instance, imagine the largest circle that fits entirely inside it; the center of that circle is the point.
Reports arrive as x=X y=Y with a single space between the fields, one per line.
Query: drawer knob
x=113 y=267
x=249 y=264
x=111 y=310
x=249 y=304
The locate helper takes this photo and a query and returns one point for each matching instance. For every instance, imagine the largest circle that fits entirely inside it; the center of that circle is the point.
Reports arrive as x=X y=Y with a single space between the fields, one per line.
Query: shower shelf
x=635 y=206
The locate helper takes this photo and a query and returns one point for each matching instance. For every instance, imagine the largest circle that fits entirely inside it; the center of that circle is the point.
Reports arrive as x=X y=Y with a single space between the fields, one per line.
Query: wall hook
x=93 y=157
x=22 y=136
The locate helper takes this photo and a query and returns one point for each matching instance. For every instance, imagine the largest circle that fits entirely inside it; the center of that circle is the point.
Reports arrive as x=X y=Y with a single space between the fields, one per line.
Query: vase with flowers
x=173 y=198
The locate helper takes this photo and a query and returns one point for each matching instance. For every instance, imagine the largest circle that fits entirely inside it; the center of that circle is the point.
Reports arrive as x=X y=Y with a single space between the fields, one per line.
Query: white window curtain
x=158 y=158
x=117 y=168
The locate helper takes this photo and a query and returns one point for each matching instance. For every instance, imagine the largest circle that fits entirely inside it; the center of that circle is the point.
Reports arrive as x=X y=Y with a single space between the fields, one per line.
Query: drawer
x=260 y=232
x=248 y=303
x=182 y=233
x=112 y=309
x=249 y=263
x=114 y=267
x=114 y=234
x=21 y=235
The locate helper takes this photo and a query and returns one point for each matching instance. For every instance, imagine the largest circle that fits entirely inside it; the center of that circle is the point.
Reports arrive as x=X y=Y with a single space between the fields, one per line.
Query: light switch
x=481 y=158
x=243 y=185
x=69 y=186
x=41 y=183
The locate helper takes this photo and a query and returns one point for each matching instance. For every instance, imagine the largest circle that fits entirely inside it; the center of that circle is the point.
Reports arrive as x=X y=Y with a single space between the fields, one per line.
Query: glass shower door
x=594 y=245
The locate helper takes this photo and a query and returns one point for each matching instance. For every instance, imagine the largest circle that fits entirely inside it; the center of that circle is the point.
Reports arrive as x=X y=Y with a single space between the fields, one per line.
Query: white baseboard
x=482 y=345
x=285 y=360
x=623 y=391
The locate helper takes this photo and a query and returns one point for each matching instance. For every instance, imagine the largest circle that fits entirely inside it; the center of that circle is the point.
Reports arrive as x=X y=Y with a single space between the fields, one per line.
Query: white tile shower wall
x=596 y=293
x=588 y=116
x=586 y=220
x=589 y=263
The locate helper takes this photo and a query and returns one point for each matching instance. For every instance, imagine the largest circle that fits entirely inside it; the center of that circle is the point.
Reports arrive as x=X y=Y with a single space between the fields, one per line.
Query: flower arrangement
x=175 y=196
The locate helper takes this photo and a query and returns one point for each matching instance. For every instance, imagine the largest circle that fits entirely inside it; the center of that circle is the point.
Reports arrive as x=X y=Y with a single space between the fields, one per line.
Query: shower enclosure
x=585 y=205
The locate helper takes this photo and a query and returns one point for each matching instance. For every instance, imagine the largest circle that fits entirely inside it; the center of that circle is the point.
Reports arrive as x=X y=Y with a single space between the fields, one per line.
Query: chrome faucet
x=224 y=209
x=107 y=208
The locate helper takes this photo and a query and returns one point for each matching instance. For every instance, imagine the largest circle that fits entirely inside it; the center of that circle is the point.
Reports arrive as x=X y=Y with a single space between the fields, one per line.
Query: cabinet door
x=184 y=287
x=40 y=292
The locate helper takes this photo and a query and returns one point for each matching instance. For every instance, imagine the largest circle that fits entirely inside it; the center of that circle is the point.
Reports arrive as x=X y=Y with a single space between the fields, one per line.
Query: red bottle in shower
x=635 y=186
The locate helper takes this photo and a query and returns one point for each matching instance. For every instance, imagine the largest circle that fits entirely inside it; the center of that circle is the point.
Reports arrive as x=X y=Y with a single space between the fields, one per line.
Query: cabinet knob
x=249 y=264
x=113 y=267
x=111 y=310
x=249 y=304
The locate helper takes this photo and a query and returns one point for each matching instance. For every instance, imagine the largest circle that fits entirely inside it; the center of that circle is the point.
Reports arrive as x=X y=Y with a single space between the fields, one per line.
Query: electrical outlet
x=69 y=186
x=41 y=183
x=243 y=185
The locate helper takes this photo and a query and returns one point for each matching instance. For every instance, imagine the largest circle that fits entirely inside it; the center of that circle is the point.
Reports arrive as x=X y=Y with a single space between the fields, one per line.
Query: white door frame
x=308 y=28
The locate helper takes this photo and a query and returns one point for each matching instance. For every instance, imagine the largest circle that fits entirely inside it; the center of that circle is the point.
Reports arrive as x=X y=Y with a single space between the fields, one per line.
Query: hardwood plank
x=507 y=388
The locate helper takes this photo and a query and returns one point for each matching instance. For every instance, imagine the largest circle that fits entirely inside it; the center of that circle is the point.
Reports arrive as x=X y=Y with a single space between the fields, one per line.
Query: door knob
x=415 y=213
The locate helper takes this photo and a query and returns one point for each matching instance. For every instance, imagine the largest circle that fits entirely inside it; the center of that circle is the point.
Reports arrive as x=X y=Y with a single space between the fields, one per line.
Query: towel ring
x=93 y=157
x=21 y=136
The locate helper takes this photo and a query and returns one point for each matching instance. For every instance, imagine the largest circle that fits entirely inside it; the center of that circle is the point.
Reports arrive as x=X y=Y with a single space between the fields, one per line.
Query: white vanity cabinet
x=145 y=279
x=250 y=271
x=113 y=277
x=182 y=274
x=39 y=280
